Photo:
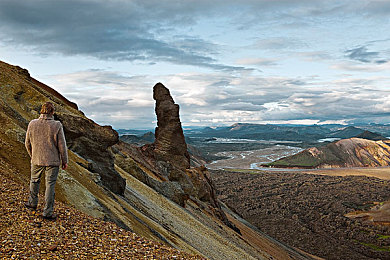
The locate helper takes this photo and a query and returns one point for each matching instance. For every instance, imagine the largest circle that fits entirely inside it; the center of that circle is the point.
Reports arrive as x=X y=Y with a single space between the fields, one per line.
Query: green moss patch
x=383 y=236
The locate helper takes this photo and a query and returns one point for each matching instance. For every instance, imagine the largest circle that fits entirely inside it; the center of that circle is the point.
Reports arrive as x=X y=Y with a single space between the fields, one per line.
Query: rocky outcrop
x=20 y=101
x=170 y=144
x=92 y=141
x=168 y=161
x=353 y=152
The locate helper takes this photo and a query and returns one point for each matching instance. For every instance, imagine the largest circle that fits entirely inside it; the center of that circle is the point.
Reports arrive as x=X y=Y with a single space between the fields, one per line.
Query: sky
x=248 y=61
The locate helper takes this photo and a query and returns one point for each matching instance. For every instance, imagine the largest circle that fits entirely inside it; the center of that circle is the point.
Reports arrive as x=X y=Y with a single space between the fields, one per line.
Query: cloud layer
x=109 y=30
x=224 y=61
x=216 y=99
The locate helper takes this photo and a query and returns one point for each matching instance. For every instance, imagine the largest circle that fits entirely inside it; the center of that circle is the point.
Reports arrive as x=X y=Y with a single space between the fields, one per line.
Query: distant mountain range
x=311 y=133
x=287 y=132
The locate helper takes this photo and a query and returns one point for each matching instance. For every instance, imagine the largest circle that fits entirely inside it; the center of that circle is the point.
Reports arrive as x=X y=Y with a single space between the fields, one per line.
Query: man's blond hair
x=47 y=108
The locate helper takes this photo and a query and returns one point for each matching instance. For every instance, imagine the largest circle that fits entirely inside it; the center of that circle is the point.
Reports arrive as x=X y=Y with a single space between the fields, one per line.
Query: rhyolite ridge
x=352 y=152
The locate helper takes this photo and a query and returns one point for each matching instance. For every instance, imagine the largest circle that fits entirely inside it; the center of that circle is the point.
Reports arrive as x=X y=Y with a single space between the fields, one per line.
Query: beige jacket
x=45 y=142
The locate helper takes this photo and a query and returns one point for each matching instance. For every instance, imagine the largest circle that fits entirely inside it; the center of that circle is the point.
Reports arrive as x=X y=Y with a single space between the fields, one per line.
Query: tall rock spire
x=170 y=143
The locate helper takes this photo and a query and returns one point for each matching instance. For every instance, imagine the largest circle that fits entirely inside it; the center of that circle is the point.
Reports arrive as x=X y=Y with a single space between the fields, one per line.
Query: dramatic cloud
x=224 y=61
x=107 y=30
x=147 y=30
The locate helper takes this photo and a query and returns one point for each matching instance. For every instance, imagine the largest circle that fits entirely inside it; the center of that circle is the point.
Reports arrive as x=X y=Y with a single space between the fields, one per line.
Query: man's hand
x=64 y=166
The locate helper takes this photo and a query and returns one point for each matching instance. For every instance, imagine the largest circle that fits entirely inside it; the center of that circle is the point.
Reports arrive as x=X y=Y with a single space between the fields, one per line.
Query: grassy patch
x=376 y=247
x=303 y=159
x=383 y=236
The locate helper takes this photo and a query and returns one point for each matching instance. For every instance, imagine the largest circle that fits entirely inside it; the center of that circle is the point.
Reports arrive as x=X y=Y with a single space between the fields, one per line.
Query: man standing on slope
x=46 y=145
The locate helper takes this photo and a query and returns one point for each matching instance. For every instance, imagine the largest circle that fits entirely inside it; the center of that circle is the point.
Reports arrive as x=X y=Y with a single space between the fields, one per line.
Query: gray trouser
x=51 y=173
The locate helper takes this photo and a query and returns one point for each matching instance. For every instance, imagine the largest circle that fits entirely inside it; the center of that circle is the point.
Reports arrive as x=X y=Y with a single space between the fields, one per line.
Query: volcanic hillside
x=151 y=190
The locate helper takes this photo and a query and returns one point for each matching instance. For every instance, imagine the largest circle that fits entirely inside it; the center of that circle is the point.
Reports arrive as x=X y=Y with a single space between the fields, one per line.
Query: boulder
x=92 y=141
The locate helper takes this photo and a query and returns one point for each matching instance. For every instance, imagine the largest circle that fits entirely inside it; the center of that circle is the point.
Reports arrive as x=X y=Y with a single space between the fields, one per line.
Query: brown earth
x=308 y=211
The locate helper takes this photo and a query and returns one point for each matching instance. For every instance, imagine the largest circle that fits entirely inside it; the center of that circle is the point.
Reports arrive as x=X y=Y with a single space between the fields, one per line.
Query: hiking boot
x=30 y=207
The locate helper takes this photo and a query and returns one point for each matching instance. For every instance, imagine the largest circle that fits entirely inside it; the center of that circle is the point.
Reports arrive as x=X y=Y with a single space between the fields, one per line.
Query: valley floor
x=252 y=159
x=307 y=211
